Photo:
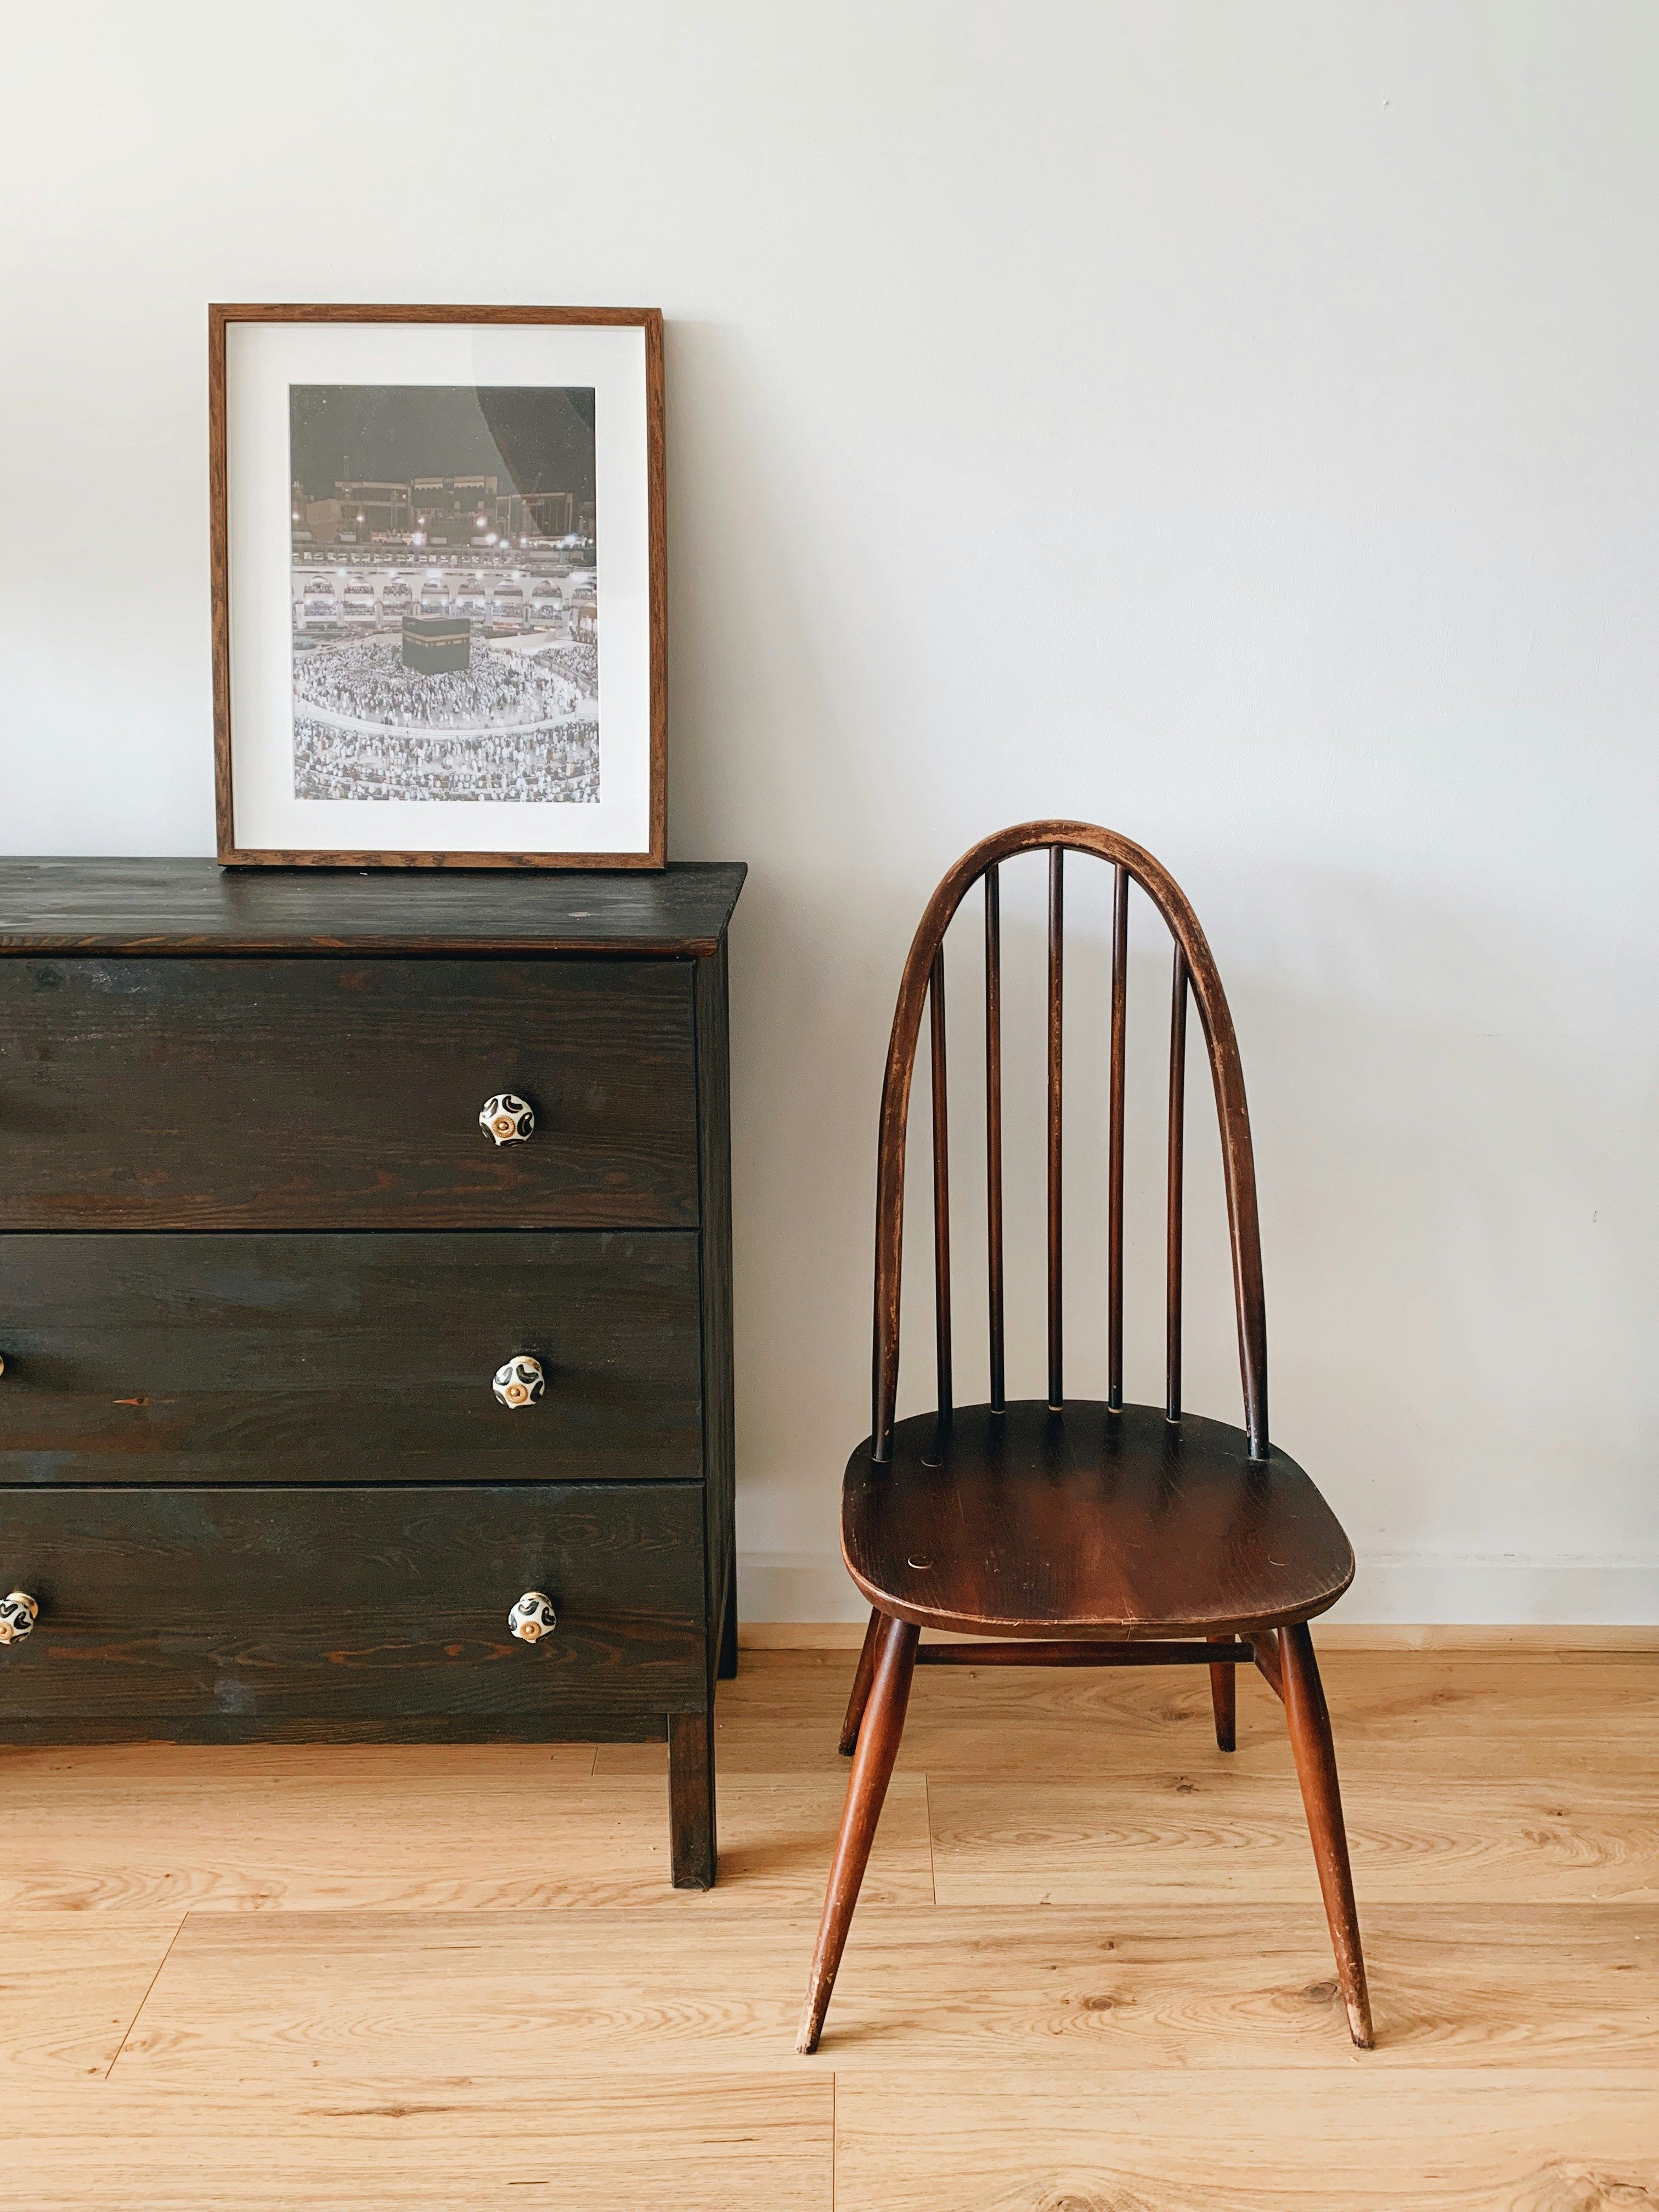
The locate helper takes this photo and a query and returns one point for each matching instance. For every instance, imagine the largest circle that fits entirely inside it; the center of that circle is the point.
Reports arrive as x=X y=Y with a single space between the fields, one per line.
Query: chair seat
x=1087 y=1522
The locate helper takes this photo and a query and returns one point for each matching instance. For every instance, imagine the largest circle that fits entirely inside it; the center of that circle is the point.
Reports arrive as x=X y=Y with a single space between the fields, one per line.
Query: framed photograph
x=438 y=586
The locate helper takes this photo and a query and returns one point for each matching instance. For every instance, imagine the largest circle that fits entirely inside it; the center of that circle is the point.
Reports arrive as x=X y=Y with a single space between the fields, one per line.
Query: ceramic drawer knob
x=521 y=1383
x=532 y=1618
x=18 y=1614
x=509 y=1119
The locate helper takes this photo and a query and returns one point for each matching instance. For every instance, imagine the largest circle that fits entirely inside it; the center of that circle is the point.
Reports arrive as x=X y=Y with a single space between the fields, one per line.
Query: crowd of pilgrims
x=578 y=665
x=369 y=683
x=545 y=766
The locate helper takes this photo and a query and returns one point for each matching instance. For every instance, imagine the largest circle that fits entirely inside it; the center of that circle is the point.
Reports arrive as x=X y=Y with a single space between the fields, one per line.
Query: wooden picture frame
x=641 y=781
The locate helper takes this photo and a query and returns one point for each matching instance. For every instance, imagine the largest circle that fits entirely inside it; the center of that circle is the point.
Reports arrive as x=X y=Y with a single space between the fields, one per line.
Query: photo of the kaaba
x=445 y=587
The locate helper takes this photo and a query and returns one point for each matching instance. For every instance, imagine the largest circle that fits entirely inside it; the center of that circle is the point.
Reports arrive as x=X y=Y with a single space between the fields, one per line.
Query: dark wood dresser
x=366 y=1309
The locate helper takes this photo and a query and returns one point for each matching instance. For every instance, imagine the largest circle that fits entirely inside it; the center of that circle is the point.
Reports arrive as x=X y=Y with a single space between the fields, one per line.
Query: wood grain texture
x=162 y=1828
x=209 y=1359
x=633 y=2145
x=174 y=1609
x=1084 y=1521
x=1404 y=1719
x=685 y=1984
x=300 y=1094
x=1523 y=2142
x=648 y=321
x=1232 y=1987
x=1191 y=1829
x=70 y=1989
x=174 y=907
x=1173 y=2052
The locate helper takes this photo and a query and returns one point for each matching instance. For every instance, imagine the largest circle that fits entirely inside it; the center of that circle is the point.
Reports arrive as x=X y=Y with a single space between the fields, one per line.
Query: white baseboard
x=1399 y=1602
x=1523 y=1637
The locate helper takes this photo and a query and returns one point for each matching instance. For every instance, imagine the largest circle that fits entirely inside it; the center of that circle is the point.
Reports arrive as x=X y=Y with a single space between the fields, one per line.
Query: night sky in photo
x=534 y=438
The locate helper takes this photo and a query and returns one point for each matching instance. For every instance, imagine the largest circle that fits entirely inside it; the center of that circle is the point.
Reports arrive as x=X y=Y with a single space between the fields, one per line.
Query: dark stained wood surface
x=258 y=1265
x=264 y=1608
x=1219 y=1653
x=715 y=1235
x=691 y=1845
x=1115 y=1153
x=892 y=1668
x=1223 y=1695
x=1174 y=1189
x=348 y=1358
x=344 y=1094
x=1084 y=1522
x=176 y=906
x=607 y=1723
x=1188 y=1542
x=1055 y=1158
x=1316 y=1766
x=995 y=1287
x=941 y=1188
x=864 y=1675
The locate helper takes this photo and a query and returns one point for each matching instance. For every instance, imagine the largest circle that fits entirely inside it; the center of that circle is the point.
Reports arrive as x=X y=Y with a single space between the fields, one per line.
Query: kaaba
x=436 y=645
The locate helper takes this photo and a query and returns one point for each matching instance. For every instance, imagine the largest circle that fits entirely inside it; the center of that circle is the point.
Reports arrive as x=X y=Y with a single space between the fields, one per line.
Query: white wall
x=1233 y=424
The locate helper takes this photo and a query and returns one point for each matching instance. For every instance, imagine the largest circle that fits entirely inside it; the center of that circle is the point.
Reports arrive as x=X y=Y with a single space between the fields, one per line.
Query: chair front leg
x=893 y=1662
x=1316 y=1766
x=861 y=1680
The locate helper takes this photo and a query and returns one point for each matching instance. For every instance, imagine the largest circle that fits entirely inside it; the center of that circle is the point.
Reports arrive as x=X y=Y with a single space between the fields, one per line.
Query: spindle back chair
x=1079 y=1532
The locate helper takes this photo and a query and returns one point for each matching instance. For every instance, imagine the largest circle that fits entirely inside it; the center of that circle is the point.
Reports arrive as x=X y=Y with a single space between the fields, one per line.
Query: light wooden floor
x=1090 y=1973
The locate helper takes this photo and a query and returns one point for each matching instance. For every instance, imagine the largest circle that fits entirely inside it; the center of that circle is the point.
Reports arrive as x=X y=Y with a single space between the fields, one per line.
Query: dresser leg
x=691 y=1799
x=728 y=1658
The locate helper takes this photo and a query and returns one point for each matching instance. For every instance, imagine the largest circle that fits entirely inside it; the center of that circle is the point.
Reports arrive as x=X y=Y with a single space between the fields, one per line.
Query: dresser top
x=196 y=906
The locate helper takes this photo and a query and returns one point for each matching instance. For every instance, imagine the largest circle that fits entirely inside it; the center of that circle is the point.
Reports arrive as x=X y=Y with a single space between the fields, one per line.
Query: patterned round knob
x=509 y=1119
x=521 y=1382
x=18 y=1614
x=532 y=1618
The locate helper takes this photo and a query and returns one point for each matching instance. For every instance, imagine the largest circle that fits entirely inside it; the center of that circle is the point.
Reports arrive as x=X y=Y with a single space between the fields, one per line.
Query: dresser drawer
x=321 y=1093
x=235 y=1612
x=349 y=1358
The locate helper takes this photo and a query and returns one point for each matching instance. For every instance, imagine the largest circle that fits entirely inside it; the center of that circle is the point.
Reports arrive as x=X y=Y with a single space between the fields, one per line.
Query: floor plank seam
x=145 y=1999
x=928 y=1815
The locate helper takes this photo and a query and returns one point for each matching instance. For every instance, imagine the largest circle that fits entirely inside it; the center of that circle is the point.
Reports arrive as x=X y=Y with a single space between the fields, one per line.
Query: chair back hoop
x=922 y=989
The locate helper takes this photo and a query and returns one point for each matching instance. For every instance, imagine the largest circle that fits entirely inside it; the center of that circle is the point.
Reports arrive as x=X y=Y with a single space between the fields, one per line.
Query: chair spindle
x=1115 y=1141
x=941 y=1186
x=1056 y=979
x=1178 y=1172
x=922 y=990
x=994 y=1129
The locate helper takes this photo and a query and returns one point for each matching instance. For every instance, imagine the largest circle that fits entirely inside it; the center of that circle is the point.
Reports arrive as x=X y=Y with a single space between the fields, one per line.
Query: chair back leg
x=859 y=1698
x=892 y=1665
x=1224 y=1696
x=1316 y=1765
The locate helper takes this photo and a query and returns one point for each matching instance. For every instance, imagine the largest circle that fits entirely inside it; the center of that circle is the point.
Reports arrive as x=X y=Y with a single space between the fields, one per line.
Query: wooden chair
x=1079 y=1534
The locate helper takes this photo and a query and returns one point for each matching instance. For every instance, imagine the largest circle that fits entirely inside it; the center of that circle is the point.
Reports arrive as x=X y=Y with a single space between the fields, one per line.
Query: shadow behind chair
x=1076 y=1533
